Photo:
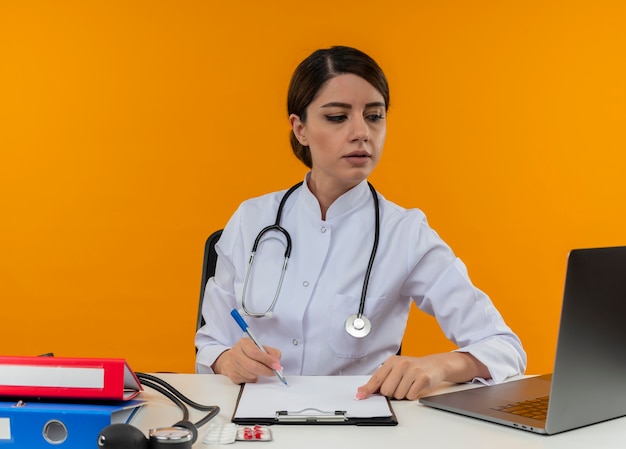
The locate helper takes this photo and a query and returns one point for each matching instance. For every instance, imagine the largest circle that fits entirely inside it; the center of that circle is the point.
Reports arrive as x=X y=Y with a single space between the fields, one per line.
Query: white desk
x=419 y=426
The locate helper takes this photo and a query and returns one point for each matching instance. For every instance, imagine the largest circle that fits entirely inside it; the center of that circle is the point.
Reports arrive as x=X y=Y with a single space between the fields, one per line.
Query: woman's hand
x=403 y=377
x=245 y=362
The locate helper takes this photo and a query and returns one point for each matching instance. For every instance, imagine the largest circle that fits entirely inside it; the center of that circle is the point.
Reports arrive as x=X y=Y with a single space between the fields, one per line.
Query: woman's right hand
x=245 y=362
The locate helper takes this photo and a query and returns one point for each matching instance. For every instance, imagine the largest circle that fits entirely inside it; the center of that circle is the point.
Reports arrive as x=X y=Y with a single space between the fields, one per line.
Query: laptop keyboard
x=532 y=408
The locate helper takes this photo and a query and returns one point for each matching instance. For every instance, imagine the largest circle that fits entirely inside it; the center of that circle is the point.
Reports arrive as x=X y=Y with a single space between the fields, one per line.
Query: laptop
x=588 y=382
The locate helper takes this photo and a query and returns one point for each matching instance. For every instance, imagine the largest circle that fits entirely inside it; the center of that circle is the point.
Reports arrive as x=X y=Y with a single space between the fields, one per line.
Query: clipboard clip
x=311 y=415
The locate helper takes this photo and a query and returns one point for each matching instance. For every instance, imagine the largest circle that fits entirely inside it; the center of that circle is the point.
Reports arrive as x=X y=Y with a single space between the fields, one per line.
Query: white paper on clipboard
x=311 y=395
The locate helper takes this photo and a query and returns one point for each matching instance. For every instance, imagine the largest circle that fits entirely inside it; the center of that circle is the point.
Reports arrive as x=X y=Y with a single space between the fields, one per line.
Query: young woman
x=356 y=260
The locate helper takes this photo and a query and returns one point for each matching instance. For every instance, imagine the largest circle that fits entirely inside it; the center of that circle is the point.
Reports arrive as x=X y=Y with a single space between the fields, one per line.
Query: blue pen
x=244 y=327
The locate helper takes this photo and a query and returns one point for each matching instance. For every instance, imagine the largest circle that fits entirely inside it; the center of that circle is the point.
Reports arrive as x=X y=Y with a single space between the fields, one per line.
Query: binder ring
x=54 y=432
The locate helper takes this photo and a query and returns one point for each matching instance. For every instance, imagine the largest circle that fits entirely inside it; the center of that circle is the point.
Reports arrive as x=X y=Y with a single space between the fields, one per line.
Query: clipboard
x=326 y=400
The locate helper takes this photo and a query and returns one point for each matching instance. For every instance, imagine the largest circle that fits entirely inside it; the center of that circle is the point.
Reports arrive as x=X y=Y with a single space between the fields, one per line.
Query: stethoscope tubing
x=277 y=227
x=370 y=264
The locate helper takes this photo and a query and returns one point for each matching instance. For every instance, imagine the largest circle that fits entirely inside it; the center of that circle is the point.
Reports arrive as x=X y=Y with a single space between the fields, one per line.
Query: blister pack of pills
x=220 y=434
x=229 y=433
x=254 y=433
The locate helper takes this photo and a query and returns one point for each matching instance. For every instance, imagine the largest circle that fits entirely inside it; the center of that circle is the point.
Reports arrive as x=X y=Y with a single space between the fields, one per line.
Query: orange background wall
x=131 y=130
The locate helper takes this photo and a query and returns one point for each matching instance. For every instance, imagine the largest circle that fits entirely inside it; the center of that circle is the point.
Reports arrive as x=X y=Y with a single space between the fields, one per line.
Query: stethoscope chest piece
x=358 y=326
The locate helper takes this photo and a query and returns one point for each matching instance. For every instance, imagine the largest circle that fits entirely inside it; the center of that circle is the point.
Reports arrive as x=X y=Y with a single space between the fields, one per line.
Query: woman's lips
x=357 y=158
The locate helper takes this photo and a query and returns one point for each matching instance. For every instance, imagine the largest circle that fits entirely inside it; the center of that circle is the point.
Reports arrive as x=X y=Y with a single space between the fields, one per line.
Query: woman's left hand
x=402 y=377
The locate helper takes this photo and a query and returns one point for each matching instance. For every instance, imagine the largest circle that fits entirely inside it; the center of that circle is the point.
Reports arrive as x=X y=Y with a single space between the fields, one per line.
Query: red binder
x=103 y=379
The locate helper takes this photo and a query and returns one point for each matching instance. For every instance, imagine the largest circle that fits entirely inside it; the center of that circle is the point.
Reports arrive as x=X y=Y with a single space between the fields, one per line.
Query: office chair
x=208 y=270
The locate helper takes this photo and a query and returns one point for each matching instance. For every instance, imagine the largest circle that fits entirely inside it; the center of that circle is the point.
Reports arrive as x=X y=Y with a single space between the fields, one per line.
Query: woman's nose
x=360 y=130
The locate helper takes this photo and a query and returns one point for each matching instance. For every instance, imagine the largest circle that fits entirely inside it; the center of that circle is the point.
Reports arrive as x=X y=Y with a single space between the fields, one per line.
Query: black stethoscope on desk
x=356 y=325
x=181 y=435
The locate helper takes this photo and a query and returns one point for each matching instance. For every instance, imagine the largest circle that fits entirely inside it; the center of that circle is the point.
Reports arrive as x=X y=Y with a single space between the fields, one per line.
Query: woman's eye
x=375 y=117
x=336 y=118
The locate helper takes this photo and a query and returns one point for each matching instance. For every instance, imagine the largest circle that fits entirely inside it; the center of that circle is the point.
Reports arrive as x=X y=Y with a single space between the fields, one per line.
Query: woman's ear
x=297 y=126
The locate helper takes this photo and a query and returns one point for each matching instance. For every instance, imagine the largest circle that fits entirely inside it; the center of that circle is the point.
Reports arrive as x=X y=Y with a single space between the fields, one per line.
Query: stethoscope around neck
x=357 y=325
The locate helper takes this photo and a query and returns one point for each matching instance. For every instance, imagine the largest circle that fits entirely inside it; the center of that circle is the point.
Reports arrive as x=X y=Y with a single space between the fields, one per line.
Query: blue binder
x=35 y=425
